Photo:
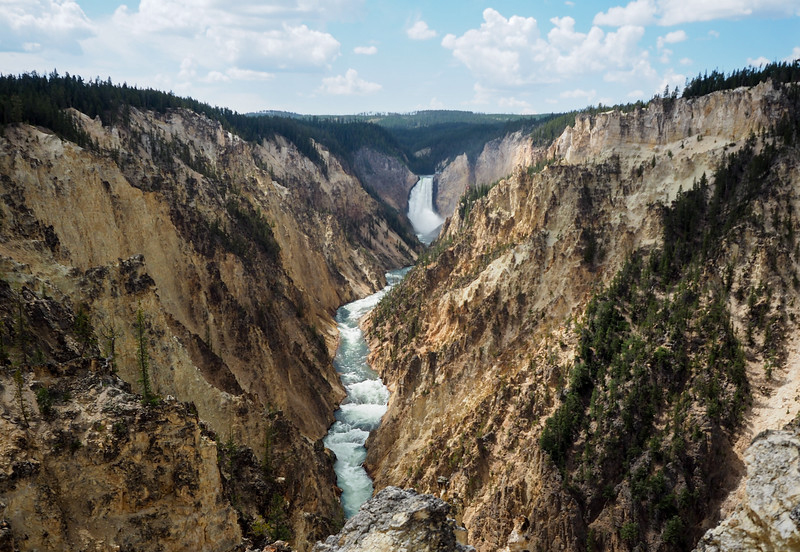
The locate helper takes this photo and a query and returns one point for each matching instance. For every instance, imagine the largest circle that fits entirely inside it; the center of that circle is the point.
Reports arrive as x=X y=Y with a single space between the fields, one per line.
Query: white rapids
x=365 y=404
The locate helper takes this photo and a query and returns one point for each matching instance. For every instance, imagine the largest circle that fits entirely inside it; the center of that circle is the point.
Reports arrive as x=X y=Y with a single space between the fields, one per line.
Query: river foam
x=365 y=404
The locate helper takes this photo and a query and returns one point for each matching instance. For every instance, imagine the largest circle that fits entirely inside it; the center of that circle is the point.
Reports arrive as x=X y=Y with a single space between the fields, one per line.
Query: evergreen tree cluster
x=778 y=72
x=41 y=100
x=645 y=397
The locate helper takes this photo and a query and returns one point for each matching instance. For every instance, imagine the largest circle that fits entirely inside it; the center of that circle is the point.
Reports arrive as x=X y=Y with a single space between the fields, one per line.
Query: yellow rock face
x=477 y=345
x=238 y=254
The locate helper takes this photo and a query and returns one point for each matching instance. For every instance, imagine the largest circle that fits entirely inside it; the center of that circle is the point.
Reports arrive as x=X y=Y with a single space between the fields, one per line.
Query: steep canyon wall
x=236 y=254
x=494 y=347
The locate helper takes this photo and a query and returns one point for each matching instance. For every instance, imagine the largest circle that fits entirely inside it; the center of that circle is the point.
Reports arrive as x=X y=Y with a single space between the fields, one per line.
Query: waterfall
x=425 y=220
x=365 y=404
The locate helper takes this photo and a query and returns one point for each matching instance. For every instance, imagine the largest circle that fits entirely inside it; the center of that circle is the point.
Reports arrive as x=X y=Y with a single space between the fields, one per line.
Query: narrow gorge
x=361 y=410
x=363 y=407
x=582 y=358
x=264 y=333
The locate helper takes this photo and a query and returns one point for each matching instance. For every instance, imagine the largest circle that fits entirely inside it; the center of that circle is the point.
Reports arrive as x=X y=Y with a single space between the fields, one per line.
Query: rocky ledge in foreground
x=397 y=520
x=769 y=517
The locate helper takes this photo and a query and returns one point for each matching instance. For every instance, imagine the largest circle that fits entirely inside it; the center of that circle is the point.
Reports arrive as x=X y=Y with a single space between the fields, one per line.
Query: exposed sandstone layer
x=397 y=520
x=477 y=344
x=721 y=116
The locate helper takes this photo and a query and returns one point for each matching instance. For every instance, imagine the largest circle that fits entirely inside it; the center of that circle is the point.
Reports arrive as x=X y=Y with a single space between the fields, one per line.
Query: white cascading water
x=365 y=404
x=425 y=220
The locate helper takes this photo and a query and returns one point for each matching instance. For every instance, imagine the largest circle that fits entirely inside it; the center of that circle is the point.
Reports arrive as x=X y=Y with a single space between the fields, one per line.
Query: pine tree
x=19 y=381
x=143 y=358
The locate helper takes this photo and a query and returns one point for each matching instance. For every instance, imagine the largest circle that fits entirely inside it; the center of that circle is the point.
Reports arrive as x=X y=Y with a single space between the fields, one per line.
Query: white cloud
x=219 y=35
x=248 y=74
x=597 y=51
x=579 y=93
x=686 y=61
x=349 y=84
x=635 y=94
x=713 y=34
x=510 y=52
x=216 y=76
x=502 y=51
x=188 y=69
x=420 y=31
x=483 y=94
x=672 y=79
x=672 y=38
x=639 y=72
x=794 y=55
x=236 y=74
x=515 y=105
x=676 y=12
x=366 y=50
x=32 y=25
x=757 y=62
x=639 y=12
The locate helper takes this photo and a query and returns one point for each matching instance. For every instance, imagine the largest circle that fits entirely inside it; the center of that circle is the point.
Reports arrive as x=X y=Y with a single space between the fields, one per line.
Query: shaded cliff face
x=497 y=160
x=388 y=176
x=552 y=421
x=237 y=255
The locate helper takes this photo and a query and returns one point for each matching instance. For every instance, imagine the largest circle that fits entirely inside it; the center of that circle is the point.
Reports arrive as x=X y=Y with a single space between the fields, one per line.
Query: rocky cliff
x=388 y=176
x=235 y=255
x=497 y=160
x=88 y=467
x=767 y=518
x=579 y=359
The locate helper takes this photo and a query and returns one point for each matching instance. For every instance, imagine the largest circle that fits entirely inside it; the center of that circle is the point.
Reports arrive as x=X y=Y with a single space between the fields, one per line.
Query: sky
x=364 y=56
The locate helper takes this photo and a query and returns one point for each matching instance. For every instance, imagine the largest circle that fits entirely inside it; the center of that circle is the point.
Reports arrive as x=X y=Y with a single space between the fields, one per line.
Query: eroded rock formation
x=497 y=160
x=89 y=467
x=769 y=517
x=397 y=520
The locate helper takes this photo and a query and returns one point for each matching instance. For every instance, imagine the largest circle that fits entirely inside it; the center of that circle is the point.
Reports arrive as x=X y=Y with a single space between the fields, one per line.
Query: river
x=365 y=404
x=367 y=396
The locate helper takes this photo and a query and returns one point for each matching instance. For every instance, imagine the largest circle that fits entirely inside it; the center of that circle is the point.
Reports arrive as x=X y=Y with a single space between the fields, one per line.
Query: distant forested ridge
x=428 y=138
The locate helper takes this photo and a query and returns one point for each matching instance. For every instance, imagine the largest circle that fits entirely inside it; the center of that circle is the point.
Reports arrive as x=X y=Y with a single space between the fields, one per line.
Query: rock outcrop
x=397 y=520
x=497 y=160
x=721 y=116
x=769 y=517
x=86 y=466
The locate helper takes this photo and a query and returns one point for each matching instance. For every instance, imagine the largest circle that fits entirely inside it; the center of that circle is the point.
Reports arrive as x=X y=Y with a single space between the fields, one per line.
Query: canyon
x=580 y=360
x=236 y=255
